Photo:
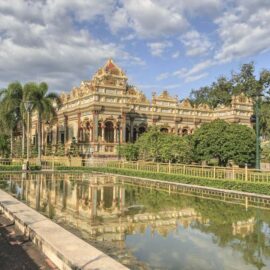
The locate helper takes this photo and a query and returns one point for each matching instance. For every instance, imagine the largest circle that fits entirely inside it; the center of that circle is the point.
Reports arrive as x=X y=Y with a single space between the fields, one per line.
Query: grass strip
x=252 y=187
x=14 y=168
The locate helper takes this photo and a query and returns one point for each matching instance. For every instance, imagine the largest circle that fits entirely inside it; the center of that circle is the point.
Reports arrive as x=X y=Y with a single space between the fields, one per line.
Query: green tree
x=175 y=148
x=44 y=104
x=266 y=152
x=158 y=146
x=130 y=151
x=219 y=92
x=243 y=81
x=149 y=144
x=223 y=141
x=240 y=144
x=11 y=109
x=4 y=145
x=265 y=118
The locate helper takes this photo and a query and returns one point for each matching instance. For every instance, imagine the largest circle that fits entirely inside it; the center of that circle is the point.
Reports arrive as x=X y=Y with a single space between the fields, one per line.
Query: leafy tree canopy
x=243 y=81
x=224 y=141
x=158 y=146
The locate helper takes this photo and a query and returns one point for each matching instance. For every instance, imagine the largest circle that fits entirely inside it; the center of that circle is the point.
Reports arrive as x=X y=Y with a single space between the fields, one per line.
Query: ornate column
x=103 y=132
x=79 y=127
x=123 y=129
x=115 y=133
x=57 y=133
x=176 y=128
x=91 y=134
x=66 y=128
x=131 y=129
x=95 y=126
x=177 y=122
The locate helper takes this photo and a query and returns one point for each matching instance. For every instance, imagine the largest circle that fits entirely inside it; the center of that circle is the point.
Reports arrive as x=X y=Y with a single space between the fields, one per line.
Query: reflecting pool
x=152 y=226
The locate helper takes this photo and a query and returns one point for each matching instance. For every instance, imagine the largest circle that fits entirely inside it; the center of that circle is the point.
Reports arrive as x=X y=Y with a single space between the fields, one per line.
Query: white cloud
x=40 y=41
x=199 y=7
x=118 y=20
x=244 y=30
x=157 y=48
x=128 y=37
x=157 y=18
x=197 y=68
x=176 y=54
x=189 y=75
x=150 y=18
x=196 y=43
x=163 y=76
x=197 y=77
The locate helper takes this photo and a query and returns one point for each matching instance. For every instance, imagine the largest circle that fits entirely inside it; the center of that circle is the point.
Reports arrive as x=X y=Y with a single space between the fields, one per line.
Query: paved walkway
x=18 y=253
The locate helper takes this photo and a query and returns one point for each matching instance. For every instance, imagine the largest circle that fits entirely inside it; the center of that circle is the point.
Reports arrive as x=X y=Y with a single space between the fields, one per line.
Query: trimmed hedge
x=259 y=188
x=16 y=168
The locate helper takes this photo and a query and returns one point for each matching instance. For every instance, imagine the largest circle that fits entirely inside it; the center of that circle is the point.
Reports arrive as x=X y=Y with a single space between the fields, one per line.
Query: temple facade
x=106 y=111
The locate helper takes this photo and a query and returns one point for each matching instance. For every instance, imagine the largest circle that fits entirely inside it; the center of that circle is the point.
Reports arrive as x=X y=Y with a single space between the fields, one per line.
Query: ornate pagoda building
x=106 y=111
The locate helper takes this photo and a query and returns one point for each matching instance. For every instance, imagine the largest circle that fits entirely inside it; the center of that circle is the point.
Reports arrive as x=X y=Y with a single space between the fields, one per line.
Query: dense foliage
x=224 y=142
x=18 y=168
x=13 y=115
x=155 y=145
x=266 y=152
x=260 y=188
x=44 y=104
x=215 y=140
x=245 y=81
x=4 y=145
x=222 y=90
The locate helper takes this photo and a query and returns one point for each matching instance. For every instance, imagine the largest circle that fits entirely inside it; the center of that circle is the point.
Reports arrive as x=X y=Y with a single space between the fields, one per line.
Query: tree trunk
x=23 y=138
x=11 y=143
x=39 y=139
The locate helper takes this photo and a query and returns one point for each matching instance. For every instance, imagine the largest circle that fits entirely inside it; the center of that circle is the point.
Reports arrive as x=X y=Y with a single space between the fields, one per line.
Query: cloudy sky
x=177 y=45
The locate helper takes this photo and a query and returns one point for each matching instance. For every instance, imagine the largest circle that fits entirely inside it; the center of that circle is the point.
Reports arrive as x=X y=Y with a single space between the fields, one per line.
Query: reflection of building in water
x=98 y=206
x=243 y=228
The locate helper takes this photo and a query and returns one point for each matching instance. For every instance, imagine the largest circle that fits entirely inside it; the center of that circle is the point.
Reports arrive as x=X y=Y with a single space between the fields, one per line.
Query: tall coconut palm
x=11 y=109
x=44 y=104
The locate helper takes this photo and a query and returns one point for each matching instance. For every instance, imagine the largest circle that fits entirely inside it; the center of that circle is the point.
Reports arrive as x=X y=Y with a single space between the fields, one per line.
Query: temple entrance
x=109 y=132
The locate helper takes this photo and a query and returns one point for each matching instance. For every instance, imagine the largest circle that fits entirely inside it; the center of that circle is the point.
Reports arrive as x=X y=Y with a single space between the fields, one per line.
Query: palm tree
x=11 y=109
x=44 y=104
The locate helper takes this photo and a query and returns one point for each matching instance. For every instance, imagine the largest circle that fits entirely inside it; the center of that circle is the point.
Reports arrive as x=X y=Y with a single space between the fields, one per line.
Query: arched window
x=184 y=131
x=165 y=130
x=109 y=132
x=127 y=134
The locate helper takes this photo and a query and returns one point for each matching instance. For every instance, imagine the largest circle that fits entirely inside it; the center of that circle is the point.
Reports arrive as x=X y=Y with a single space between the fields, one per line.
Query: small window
x=62 y=137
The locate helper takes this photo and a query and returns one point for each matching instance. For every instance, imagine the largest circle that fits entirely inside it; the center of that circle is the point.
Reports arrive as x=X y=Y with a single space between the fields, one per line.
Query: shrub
x=260 y=188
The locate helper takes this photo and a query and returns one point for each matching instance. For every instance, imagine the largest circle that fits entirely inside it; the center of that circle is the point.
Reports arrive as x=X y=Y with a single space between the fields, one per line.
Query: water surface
x=150 y=227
